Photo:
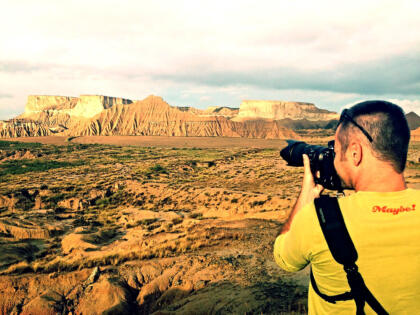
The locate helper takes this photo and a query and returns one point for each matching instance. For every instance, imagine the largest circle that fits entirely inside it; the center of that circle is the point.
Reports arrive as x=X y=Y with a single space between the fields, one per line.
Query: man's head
x=372 y=128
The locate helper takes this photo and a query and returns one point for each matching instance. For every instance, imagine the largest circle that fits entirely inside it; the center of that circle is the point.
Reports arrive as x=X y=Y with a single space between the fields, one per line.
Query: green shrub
x=178 y=220
x=26 y=166
x=147 y=221
x=102 y=202
x=14 y=145
x=196 y=215
x=158 y=169
x=257 y=203
x=102 y=237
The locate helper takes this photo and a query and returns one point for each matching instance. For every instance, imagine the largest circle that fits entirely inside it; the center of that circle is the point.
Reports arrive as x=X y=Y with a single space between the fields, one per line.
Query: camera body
x=321 y=161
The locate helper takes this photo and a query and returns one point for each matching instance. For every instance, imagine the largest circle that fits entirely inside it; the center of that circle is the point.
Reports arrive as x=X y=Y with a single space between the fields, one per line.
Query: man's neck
x=383 y=180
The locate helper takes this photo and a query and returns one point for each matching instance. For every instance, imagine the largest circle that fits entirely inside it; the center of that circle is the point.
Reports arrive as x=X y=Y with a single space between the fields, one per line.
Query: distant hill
x=104 y=115
x=46 y=115
x=279 y=110
x=413 y=120
x=301 y=124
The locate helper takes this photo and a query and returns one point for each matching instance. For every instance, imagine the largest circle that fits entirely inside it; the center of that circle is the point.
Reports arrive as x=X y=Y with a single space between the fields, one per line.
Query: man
x=382 y=216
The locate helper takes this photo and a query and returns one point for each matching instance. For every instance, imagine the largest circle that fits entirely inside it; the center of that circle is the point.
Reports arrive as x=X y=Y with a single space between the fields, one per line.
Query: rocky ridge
x=154 y=117
x=96 y=115
x=227 y=112
x=251 y=109
x=85 y=106
x=413 y=120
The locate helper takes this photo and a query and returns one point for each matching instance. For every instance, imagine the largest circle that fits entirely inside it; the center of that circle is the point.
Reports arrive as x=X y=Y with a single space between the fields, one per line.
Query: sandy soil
x=154 y=225
x=157 y=141
x=88 y=229
x=174 y=142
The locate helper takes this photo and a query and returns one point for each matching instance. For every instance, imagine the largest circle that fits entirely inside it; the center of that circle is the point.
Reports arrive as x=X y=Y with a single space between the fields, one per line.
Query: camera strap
x=342 y=249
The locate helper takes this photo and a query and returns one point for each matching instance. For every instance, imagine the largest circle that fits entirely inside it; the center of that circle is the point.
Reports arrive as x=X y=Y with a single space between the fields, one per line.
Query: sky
x=211 y=53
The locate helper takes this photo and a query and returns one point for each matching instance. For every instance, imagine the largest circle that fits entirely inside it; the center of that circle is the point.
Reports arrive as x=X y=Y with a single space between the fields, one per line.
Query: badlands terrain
x=140 y=225
x=115 y=206
x=96 y=115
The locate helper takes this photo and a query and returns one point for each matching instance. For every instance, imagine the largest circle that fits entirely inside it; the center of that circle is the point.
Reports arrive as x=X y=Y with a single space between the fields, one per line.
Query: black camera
x=321 y=160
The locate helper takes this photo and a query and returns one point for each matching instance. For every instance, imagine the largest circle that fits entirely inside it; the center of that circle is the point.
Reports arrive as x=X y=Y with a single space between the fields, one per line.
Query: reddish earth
x=163 y=225
x=159 y=141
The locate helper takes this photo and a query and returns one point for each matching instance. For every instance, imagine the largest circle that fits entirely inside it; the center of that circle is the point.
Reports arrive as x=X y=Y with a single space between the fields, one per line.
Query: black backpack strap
x=360 y=291
x=342 y=249
x=334 y=230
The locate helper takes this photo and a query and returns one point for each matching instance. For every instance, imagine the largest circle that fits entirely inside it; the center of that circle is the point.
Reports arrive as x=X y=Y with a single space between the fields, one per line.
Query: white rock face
x=38 y=103
x=85 y=106
x=90 y=105
x=281 y=109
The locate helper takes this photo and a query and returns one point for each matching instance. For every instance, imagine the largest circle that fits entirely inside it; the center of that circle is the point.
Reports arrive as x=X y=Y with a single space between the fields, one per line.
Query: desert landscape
x=148 y=227
x=140 y=167
x=121 y=222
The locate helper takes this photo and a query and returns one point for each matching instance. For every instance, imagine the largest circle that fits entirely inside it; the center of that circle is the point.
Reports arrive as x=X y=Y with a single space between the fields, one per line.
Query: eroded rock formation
x=89 y=115
x=280 y=110
x=85 y=106
x=154 y=117
x=413 y=120
x=228 y=112
x=40 y=103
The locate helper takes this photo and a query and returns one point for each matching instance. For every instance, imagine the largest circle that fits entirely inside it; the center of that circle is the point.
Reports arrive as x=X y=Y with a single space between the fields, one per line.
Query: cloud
x=164 y=34
x=399 y=74
x=205 y=98
x=407 y=105
x=18 y=66
x=324 y=51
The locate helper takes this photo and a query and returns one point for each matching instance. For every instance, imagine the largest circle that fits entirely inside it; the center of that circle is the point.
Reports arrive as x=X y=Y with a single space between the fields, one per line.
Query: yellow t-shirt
x=385 y=229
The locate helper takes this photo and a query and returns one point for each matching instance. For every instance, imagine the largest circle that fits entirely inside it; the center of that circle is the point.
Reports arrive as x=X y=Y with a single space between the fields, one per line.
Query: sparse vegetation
x=15 y=145
x=25 y=166
x=102 y=237
x=158 y=169
x=147 y=222
x=196 y=215
x=80 y=206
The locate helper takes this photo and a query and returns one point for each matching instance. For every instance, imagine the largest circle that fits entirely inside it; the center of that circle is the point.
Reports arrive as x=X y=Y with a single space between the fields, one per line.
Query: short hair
x=388 y=127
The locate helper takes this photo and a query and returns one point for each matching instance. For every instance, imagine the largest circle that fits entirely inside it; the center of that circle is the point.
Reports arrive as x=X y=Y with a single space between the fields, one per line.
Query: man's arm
x=308 y=193
x=291 y=247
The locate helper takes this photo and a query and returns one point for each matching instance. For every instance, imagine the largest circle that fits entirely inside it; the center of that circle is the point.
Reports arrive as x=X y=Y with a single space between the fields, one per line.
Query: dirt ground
x=148 y=225
x=159 y=141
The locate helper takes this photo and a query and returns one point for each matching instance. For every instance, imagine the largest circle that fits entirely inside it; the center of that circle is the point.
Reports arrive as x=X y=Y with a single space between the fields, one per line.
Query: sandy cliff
x=85 y=106
x=91 y=105
x=154 y=117
x=104 y=115
x=40 y=103
x=280 y=110
x=22 y=128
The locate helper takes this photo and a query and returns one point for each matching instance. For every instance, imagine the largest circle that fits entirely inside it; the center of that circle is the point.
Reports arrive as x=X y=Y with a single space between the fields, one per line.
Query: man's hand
x=308 y=192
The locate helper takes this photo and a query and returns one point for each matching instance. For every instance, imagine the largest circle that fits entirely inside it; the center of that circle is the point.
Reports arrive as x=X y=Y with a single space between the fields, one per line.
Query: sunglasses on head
x=346 y=116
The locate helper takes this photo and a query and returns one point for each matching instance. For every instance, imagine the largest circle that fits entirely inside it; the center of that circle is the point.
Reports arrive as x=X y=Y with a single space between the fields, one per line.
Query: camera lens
x=321 y=161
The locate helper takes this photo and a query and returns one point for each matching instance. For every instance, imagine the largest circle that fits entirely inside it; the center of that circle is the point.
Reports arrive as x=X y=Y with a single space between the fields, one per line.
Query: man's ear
x=356 y=153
